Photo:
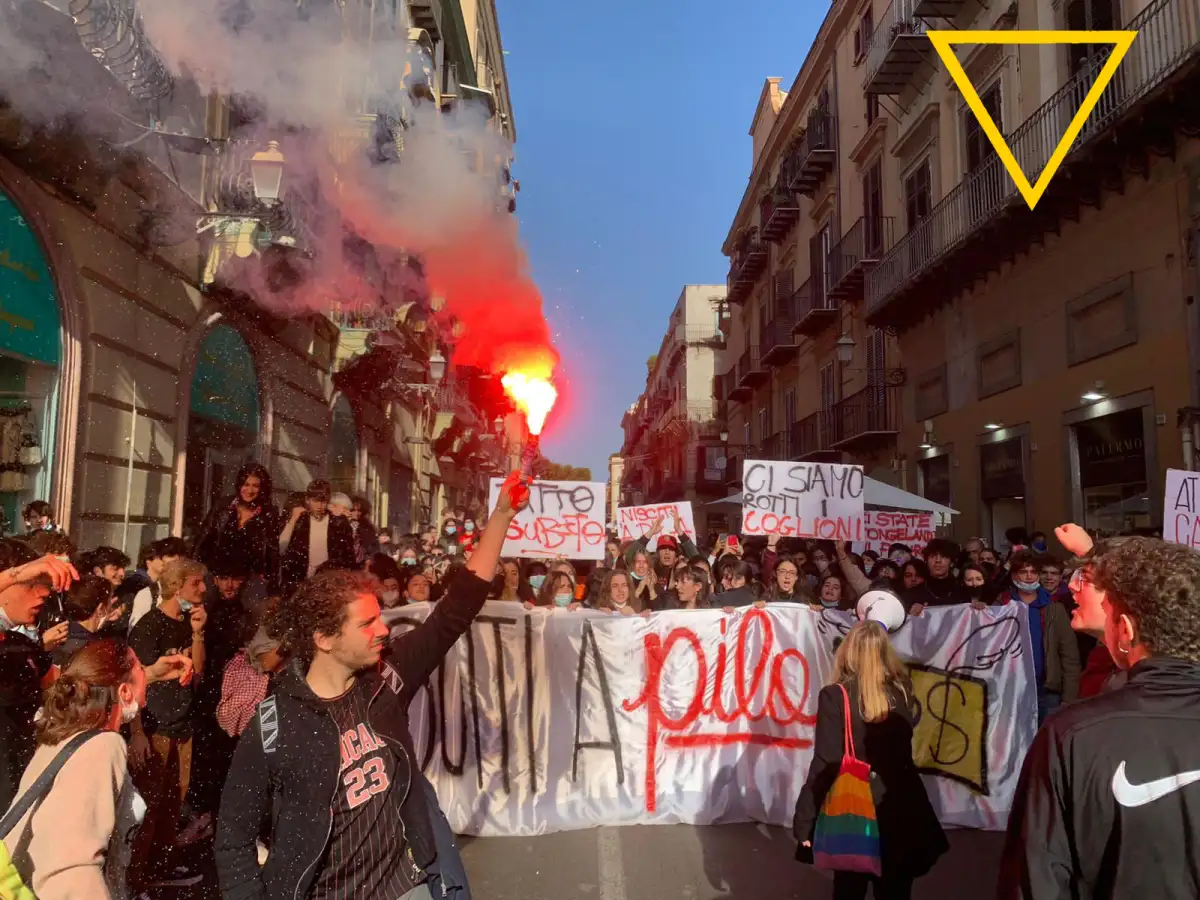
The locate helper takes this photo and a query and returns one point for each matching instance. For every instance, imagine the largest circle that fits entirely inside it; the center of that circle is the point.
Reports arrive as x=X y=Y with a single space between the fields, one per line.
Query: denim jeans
x=1048 y=702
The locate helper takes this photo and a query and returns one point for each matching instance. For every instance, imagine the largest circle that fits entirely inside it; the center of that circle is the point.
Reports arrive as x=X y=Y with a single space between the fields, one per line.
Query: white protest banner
x=634 y=522
x=549 y=720
x=1181 y=516
x=564 y=518
x=821 y=500
x=884 y=527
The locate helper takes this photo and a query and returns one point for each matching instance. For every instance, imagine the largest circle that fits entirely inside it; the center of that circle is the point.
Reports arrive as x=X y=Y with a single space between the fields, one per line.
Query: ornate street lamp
x=266 y=170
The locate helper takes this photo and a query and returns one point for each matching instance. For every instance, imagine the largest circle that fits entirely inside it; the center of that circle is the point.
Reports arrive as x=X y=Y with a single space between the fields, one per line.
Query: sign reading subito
x=821 y=500
x=564 y=518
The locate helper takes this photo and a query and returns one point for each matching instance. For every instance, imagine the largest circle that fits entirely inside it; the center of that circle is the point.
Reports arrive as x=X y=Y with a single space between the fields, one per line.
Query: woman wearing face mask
x=558 y=592
x=74 y=842
x=448 y=542
x=616 y=595
x=833 y=593
x=468 y=536
x=645 y=580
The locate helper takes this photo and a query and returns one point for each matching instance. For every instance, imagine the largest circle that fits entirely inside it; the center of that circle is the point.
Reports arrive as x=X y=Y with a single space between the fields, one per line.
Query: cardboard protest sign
x=821 y=500
x=635 y=521
x=564 y=518
x=884 y=527
x=1181 y=515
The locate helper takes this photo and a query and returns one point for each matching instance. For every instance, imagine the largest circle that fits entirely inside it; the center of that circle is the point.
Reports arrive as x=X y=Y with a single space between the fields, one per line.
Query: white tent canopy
x=879 y=495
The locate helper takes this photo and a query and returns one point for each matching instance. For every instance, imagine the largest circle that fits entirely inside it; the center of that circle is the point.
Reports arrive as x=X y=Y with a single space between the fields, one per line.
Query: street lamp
x=845 y=348
x=266 y=171
x=437 y=366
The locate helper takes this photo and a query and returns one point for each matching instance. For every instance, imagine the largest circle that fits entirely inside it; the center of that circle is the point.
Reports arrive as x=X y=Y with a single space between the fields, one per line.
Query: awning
x=877 y=494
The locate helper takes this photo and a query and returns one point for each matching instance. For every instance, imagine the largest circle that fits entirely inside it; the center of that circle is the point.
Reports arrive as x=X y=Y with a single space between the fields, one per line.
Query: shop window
x=935 y=478
x=1002 y=488
x=1111 y=455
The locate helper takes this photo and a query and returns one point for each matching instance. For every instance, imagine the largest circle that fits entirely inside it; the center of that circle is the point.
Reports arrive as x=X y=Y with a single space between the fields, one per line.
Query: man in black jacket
x=328 y=760
x=1109 y=796
x=313 y=537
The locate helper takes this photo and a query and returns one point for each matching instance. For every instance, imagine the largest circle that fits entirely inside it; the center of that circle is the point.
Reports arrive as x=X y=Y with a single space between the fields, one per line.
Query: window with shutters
x=862 y=35
x=872 y=185
x=918 y=194
x=979 y=148
x=789 y=407
x=764 y=423
x=818 y=249
x=872 y=107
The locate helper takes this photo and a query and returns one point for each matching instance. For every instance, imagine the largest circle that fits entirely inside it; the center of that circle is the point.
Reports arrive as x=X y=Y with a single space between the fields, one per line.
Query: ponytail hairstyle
x=85 y=694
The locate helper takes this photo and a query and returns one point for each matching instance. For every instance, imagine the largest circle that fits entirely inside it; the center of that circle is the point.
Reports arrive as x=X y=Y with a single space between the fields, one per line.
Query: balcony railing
x=778 y=446
x=751 y=372
x=898 y=48
x=779 y=209
x=855 y=254
x=704 y=335
x=777 y=343
x=734 y=389
x=866 y=417
x=814 y=310
x=1168 y=39
x=749 y=260
x=355 y=320
x=814 y=155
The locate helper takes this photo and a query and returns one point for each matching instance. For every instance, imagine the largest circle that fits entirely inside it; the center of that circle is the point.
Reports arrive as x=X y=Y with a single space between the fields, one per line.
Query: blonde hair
x=867 y=657
x=176 y=573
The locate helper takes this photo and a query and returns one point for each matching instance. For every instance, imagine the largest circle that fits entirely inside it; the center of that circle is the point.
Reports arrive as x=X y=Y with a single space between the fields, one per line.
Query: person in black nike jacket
x=1109 y=795
x=328 y=760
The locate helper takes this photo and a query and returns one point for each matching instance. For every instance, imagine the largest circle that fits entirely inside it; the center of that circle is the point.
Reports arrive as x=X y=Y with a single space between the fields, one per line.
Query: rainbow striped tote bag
x=846 y=838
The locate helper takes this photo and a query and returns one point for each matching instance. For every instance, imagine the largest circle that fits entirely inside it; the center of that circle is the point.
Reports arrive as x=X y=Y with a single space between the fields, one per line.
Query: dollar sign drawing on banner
x=944 y=723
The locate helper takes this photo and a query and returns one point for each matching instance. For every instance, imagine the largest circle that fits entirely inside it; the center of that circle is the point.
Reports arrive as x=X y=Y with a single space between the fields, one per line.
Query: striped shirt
x=367 y=855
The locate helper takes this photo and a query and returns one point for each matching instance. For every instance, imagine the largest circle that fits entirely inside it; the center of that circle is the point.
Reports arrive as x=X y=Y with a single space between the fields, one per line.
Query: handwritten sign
x=1181 y=514
x=564 y=518
x=558 y=720
x=884 y=527
x=635 y=521
x=821 y=500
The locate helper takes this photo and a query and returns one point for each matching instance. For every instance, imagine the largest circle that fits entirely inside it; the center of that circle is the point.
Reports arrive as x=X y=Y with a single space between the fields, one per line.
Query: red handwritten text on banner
x=821 y=500
x=564 y=518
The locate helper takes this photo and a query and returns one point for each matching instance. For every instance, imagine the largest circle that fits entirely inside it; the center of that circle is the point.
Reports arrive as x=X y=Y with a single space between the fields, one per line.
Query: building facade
x=672 y=447
x=1025 y=367
x=138 y=376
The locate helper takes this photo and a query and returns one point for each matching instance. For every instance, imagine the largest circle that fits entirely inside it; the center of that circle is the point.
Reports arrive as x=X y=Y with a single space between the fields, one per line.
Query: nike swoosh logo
x=1134 y=795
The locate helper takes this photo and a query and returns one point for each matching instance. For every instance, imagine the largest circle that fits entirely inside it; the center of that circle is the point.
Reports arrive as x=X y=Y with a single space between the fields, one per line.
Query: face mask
x=1039 y=546
x=812 y=581
x=822 y=564
x=469 y=527
x=561 y=600
x=450 y=529
x=975 y=592
x=829 y=604
x=185 y=605
x=900 y=558
x=636 y=576
x=408 y=561
x=390 y=598
x=129 y=711
x=536 y=581
x=1026 y=587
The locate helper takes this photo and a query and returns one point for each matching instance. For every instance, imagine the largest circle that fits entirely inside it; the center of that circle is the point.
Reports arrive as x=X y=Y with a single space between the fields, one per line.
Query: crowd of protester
x=159 y=669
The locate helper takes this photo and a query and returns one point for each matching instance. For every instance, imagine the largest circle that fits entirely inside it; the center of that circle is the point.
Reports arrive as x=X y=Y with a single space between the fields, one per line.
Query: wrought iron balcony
x=751 y=372
x=734 y=389
x=749 y=260
x=898 y=48
x=776 y=340
x=814 y=155
x=779 y=209
x=704 y=336
x=867 y=418
x=855 y=254
x=938 y=9
x=970 y=216
x=778 y=446
x=813 y=308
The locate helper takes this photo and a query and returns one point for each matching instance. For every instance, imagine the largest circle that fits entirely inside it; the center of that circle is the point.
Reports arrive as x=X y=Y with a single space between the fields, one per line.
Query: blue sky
x=632 y=153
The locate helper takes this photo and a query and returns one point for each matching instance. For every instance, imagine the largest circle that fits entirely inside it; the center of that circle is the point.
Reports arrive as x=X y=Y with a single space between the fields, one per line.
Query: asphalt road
x=691 y=863
x=667 y=862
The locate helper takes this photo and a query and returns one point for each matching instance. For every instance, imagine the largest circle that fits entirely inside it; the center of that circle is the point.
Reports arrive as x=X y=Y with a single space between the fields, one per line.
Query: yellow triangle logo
x=944 y=41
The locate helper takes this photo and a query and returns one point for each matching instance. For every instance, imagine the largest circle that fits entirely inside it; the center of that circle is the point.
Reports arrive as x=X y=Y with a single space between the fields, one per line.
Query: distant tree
x=552 y=471
x=650 y=364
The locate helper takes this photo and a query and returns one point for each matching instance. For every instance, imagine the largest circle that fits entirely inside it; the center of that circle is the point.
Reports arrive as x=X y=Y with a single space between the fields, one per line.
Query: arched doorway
x=30 y=354
x=223 y=421
x=343 y=447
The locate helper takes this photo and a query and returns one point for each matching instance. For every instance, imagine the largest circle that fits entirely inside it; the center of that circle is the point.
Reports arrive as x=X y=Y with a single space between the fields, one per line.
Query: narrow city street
x=690 y=863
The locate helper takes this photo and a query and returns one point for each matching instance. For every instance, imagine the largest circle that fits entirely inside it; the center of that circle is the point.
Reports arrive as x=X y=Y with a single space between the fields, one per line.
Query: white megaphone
x=883 y=607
